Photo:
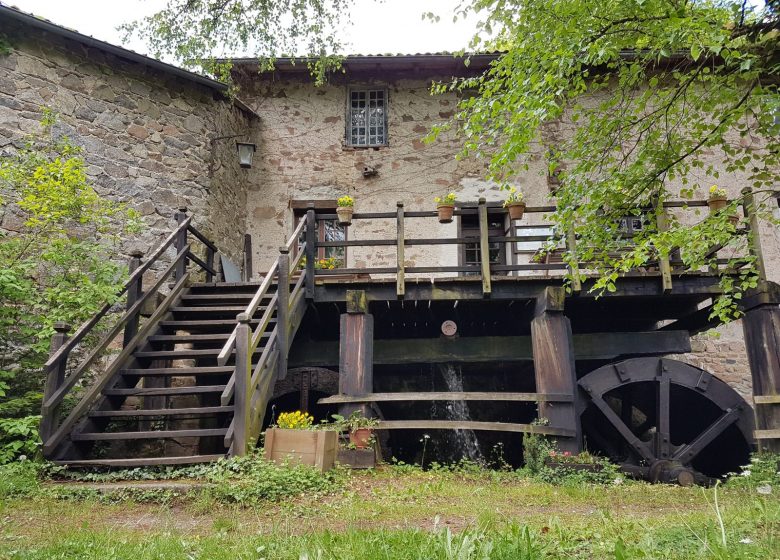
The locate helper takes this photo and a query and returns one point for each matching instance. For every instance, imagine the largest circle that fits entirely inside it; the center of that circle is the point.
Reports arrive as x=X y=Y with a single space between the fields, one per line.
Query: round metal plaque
x=449 y=328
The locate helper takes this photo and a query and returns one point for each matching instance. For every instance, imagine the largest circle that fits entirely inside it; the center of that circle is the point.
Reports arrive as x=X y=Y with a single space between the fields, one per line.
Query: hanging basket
x=345 y=215
x=516 y=210
x=445 y=213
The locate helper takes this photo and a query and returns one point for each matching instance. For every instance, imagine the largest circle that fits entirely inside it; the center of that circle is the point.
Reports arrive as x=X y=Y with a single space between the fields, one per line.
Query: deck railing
x=566 y=242
x=250 y=385
x=61 y=380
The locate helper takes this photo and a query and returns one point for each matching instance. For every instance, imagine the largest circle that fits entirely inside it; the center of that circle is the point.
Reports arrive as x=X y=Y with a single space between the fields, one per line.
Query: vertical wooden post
x=283 y=310
x=180 y=243
x=484 y=247
x=209 y=264
x=574 y=268
x=311 y=249
x=754 y=233
x=356 y=351
x=662 y=223
x=400 y=280
x=554 y=369
x=134 y=292
x=54 y=378
x=247 y=268
x=761 y=327
x=242 y=397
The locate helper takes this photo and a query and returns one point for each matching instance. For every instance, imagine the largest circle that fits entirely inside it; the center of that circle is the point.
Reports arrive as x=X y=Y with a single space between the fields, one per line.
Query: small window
x=470 y=252
x=327 y=230
x=367 y=117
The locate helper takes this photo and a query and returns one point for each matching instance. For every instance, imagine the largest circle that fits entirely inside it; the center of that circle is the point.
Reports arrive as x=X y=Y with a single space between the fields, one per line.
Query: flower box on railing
x=310 y=447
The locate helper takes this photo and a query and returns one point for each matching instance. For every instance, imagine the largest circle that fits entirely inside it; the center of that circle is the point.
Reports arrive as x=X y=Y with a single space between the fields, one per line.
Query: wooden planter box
x=316 y=448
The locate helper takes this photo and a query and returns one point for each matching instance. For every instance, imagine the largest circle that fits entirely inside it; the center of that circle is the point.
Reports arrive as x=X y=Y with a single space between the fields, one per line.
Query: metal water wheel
x=665 y=420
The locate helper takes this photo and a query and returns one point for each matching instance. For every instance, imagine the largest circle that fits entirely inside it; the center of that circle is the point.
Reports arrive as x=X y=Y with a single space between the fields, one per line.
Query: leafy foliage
x=196 y=32
x=630 y=104
x=55 y=265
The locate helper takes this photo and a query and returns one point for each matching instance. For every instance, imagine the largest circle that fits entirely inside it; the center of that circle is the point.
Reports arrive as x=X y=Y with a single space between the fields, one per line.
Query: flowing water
x=465 y=440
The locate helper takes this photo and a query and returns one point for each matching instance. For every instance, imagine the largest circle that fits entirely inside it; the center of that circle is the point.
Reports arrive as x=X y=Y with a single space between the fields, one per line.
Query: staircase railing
x=60 y=383
x=249 y=386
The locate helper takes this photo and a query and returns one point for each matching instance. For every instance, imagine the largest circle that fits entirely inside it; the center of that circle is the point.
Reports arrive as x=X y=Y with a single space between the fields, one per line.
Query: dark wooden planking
x=195 y=411
x=151 y=434
x=399 y=252
x=142 y=462
x=182 y=371
x=591 y=346
x=150 y=391
x=472 y=425
x=444 y=396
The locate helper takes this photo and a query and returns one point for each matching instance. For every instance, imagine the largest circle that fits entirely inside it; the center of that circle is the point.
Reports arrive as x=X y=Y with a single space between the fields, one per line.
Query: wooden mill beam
x=592 y=346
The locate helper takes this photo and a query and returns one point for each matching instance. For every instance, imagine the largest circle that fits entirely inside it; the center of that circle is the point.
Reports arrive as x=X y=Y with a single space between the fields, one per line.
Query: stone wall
x=150 y=139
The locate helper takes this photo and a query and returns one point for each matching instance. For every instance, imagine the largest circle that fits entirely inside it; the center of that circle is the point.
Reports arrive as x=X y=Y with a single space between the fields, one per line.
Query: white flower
x=766 y=489
x=618 y=480
x=746 y=540
x=746 y=473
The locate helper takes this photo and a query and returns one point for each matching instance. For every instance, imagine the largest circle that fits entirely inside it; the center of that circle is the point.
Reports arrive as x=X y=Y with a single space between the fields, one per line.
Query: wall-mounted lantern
x=245 y=153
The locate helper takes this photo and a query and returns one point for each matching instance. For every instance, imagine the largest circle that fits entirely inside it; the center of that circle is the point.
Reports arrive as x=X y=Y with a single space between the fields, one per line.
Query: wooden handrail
x=87 y=326
x=73 y=378
x=296 y=234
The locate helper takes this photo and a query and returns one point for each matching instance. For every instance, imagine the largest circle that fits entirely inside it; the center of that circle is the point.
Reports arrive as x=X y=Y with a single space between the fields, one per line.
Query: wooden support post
x=553 y=352
x=134 y=292
x=283 y=311
x=242 y=398
x=400 y=281
x=754 y=233
x=54 y=378
x=247 y=268
x=761 y=327
x=484 y=247
x=662 y=223
x=356 y=351
x=181 y=243
x=311 y=250
x=574 y=267
x=209 y=264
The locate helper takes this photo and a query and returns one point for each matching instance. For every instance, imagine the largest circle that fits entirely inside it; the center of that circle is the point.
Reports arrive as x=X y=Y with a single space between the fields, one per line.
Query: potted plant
x=445 y=205
x=295 y=438
x=345 y=208
x=718 y=199
x=515 y=204
x=359 y=427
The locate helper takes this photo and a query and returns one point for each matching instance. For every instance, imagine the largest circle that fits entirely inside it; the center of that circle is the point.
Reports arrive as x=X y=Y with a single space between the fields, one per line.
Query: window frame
x=348 y=116
x=465 y=229
x=300 y=208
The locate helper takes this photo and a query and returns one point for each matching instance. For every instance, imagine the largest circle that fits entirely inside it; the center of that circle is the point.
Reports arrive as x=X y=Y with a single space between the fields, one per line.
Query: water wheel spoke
x=686 y=453
x=662 y=414
x=637 y=445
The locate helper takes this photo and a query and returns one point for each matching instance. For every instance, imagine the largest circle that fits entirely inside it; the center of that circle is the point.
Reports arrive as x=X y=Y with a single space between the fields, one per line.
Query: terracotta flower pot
x=345 y=215
x=361 y=438
x=717 y=203
x=516 y=210
x=445 y=213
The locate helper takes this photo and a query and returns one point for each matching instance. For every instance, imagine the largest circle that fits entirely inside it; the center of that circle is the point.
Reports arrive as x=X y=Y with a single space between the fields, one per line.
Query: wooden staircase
x=170 y=396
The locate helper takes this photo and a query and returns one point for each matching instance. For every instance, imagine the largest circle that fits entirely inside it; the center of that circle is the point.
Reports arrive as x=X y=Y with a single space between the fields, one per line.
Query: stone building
x=161 y=138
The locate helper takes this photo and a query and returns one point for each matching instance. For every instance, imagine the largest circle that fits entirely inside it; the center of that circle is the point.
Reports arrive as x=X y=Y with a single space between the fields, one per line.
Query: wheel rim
x=665 y=417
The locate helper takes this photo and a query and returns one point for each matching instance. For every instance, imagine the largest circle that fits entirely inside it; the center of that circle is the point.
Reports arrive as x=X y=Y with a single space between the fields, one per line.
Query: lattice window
x=367 y=118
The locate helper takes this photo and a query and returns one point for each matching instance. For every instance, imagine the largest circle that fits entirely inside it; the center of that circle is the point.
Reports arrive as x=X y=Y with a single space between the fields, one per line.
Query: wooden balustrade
x=59 y=383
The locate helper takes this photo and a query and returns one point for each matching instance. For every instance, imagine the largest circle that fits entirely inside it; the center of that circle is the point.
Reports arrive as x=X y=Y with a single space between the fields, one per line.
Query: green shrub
x=763 y=470
x=251 y=479
x=19 y=479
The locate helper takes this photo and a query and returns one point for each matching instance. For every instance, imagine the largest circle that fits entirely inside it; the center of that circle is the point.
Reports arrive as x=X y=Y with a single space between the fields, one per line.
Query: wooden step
x=157 y=391
x=220 y=297
x=227 y=324
x=213 y=337
x=160 y=434
x=175 y=372
x=142 y=462
x=182 y=354
x=199 y=411
x=212 y=309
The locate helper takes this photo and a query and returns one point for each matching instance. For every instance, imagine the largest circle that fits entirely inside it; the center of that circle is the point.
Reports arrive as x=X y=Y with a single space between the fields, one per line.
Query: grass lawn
x=395 y=513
